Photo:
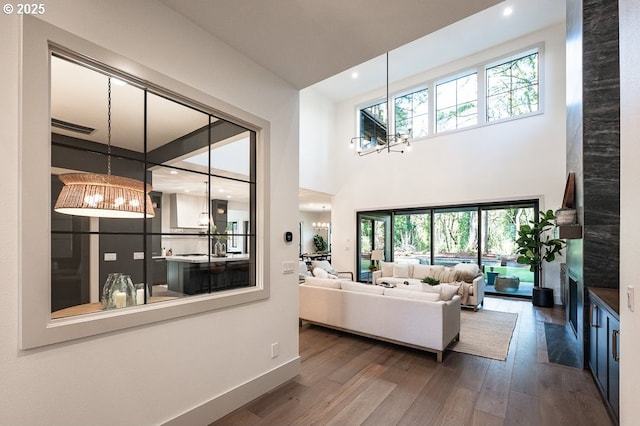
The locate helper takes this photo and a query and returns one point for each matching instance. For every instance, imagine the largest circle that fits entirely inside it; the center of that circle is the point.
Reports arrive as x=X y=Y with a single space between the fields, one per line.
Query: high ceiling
x=320 y=43
x=306 y=41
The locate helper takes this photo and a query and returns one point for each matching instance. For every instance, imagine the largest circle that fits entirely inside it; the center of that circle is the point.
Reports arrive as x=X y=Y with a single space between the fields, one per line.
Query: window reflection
x=195 y=162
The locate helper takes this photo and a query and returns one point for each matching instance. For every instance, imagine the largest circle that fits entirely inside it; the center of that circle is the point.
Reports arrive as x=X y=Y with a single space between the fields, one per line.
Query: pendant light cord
x=109 y=128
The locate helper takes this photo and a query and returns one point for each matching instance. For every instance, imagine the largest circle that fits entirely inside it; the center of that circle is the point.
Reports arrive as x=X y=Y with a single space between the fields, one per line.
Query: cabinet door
x=613 y=395
x=598 y=348
x=593 y=337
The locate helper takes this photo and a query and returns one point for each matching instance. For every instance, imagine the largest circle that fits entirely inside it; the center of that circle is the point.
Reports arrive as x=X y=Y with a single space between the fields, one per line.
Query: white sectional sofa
x=466 y=276
x=407 y=317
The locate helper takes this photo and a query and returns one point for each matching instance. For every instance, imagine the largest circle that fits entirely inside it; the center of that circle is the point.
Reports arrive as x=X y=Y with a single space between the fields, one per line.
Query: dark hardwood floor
x=350 y=380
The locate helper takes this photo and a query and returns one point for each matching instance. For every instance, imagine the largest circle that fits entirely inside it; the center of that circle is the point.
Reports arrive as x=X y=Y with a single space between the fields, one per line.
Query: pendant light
x=204 y=219
x=100 y=195
x=390 y=141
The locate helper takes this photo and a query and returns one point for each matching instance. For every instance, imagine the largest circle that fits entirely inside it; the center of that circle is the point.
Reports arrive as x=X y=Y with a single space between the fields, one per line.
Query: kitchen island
x=201 y=273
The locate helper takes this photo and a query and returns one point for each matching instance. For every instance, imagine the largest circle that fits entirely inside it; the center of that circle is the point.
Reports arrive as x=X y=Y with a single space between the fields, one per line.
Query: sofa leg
x=475 y=309
x=439 y=356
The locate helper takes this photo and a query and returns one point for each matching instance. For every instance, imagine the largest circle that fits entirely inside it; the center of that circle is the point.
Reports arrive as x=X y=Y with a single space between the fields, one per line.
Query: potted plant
x=535 y=246
x=319 y=243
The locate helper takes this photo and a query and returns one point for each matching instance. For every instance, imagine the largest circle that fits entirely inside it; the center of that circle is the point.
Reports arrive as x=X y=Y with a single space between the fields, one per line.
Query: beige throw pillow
x=467 y=272
x=387 y=269
x=401 y=271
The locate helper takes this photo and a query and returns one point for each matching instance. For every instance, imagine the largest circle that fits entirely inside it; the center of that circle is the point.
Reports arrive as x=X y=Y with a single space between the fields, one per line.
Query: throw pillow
x=401 y=271
x=447 y=291
x=467 y=272
x=320 y=273
x=324 y=264
x=303 y=271
x=447 y=275
x=387 y=269
x=420 y=271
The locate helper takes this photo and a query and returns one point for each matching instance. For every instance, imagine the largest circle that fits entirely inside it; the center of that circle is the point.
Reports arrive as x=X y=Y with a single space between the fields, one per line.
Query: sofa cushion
x=398 y=282
x=362 y=288
x=410 y=294
x=467 y=271
x=322 y=282
x=445 y=275
x=324 y=264
x=420 y=271
x=387 y=269
x=303 y=270
x=320 y=273
x=447 y=291
x=401 y=271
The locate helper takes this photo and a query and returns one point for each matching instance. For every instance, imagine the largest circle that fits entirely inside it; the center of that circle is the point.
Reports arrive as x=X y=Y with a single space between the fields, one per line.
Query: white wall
x=629 y=205
x=317 y=122
x=520 y=159
x=150 y=374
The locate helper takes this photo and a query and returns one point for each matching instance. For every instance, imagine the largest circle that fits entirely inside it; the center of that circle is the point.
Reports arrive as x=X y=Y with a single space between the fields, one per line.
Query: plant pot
x=542 y=297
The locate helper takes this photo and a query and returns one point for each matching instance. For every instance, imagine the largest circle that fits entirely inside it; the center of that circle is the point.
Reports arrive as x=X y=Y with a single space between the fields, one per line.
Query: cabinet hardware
x=592 y=316
x=614 y=345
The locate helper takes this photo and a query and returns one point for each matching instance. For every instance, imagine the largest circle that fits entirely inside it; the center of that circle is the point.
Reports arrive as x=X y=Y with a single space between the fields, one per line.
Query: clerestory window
x=513 y=88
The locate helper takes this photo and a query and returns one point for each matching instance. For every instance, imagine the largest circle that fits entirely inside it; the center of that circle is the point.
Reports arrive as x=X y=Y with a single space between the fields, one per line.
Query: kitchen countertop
x=609 y=296
x=207 y=258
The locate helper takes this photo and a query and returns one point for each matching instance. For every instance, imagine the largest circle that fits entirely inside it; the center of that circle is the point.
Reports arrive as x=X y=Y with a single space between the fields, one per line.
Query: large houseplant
x=535 y=246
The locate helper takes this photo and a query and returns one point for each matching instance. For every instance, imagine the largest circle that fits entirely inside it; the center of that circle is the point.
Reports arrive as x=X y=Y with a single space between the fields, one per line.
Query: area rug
x=485 y=333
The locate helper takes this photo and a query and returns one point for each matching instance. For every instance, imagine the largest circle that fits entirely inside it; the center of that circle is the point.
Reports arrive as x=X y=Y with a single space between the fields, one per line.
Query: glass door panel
x=412 y=237
x=455 y=236
x=503 y=274
x=374 y=234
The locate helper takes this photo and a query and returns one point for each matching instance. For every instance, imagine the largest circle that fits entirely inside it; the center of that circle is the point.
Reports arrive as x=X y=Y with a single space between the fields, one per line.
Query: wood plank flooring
x=350 y=380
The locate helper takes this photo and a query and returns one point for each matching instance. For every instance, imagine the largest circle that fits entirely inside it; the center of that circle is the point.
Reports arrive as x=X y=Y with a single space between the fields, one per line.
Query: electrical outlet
x=110 y=257
x=631 y=298
x=275 y=350
x=288 y=268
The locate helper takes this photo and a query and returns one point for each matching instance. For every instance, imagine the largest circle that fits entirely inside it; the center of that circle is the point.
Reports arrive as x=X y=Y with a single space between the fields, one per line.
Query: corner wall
x=192 y=369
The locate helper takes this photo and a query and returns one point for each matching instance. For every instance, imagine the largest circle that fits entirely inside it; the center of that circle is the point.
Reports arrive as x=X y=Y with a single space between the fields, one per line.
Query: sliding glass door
x=503 y=274
x=484 y=234
x=375 y=234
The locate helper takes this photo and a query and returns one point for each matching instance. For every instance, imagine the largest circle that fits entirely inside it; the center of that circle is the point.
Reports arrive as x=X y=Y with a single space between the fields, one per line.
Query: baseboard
x=222 y=405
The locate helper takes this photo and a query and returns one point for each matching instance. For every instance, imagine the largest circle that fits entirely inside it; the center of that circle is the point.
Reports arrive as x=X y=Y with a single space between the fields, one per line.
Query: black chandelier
x=397 y=142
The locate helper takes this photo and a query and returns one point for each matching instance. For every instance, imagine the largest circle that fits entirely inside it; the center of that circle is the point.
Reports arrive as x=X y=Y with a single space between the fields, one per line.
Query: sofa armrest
x=478 y=288
x=375 y=276
x=349 y=273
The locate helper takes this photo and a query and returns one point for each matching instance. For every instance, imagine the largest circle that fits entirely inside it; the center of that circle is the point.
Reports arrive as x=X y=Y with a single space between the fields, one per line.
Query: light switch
x=138 y=255
x=110 y=257
x=287 y=268
x=631 y=298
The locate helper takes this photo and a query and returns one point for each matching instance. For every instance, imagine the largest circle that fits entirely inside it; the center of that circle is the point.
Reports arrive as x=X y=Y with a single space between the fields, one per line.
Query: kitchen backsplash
x=186 y=245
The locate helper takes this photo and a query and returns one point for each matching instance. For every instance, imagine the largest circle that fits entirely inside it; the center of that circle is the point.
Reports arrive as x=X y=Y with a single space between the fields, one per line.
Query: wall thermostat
x=288 y=236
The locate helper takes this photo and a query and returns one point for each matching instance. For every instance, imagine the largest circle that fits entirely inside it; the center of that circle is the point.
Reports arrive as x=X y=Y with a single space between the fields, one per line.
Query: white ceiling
x=320 y=43
x=306 y=41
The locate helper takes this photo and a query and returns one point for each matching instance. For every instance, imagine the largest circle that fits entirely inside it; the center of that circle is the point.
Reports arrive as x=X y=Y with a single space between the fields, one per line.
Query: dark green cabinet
x=604 y=350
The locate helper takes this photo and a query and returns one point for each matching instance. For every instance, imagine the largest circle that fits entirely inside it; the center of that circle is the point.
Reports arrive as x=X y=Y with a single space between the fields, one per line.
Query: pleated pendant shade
x=100 y=195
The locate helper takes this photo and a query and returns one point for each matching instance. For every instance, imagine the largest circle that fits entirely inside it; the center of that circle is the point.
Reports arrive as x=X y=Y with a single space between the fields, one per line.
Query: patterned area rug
x=485 y=333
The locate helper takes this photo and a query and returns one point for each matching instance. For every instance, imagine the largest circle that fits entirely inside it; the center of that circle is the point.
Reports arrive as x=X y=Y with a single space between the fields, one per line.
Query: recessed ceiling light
x=187 y=190
x=507 y=11
x=228 y=196
x=174 y=172
x=354 y=75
